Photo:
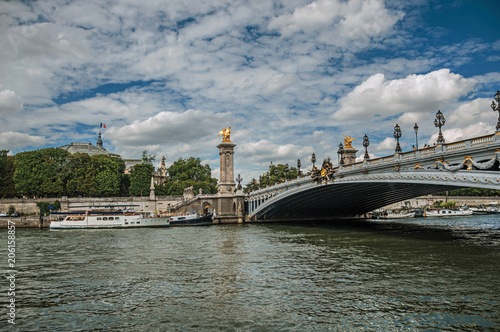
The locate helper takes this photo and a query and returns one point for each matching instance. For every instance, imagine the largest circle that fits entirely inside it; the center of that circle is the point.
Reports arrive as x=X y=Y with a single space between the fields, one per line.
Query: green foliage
x=437 y=204
x=41 y=172
x=7 y=168
x=11 y=210
x=473 y=192
x=44 y=206
x=274 y=177
x=81 y=180
x=447 y=205
x=108 y=172
x=251 y=186
x=140 y=179
x=185 y=173
x=54 y=172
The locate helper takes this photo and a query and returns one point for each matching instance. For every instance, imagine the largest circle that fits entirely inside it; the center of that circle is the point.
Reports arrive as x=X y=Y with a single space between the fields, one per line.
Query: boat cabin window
x=126 y=223
x=117 y=218
x=99 y=218
x=181 y=218
x=138 y=222
x=110 y=218
x=104 y=218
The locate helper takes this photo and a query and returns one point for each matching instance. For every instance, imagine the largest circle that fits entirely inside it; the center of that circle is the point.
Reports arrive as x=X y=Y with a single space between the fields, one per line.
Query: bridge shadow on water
x=482 y=232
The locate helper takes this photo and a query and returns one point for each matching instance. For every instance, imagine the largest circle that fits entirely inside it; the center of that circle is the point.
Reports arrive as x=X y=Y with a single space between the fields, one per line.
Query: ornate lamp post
x=415 y=127
x=340 y=152
x=267 y=178
x=439 y=121
x=313 y=159
x=239 y=179
x=397 y=135
x=298 y=166
x=366 y=142
x=287 y=171
x=496 y=108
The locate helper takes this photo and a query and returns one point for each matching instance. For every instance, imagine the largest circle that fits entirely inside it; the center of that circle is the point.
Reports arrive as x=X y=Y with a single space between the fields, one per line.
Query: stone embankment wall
x=28 y=206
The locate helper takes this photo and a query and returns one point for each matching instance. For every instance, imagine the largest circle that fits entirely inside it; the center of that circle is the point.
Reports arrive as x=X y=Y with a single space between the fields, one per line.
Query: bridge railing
x=468 y=143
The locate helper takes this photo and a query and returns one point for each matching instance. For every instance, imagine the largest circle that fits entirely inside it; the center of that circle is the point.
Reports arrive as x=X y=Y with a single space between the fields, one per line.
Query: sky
x=290 y=77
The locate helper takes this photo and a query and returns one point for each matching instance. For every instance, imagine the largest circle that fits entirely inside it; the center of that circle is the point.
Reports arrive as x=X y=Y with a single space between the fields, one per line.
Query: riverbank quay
x=28 y=209
x=25 y=222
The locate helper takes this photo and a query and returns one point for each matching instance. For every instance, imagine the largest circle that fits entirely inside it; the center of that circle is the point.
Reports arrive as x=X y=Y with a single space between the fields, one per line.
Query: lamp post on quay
x=415 y=128
x=439 y=121
x=397 y=135
x=298 y=166
x=366 y=142
x=496 y=108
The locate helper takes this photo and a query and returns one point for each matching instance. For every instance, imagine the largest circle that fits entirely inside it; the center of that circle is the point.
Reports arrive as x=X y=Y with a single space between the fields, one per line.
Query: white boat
x=448 y=213
x=397 y=215
x=479 y=210
x=116 y=219
x=493 y=210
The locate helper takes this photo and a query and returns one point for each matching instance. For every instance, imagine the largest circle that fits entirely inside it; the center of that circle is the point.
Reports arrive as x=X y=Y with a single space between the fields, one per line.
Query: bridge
x=361 y=187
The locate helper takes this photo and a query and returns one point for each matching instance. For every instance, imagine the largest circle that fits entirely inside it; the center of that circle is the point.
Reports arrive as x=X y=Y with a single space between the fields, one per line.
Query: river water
x=422 y=274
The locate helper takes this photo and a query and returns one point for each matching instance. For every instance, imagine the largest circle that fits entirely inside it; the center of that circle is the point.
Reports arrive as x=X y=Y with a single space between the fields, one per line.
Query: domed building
x=92 y=150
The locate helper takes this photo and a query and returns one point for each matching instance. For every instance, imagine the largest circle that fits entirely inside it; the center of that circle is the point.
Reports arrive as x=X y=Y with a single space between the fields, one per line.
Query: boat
x=479 y=210
x=493 y=210
x=448 y=213
x=396 y=215
x=419 y=213
x=191 y=219
x=110 y=219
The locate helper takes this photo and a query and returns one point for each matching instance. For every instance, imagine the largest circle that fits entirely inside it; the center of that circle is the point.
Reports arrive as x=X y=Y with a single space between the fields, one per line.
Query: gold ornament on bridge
x=347 y=142
x=468 y=162
x=226 y=133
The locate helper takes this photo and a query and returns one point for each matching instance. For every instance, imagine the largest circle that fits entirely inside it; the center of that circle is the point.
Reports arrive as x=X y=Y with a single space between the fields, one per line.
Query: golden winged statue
x=226 y=133
x=347 y=142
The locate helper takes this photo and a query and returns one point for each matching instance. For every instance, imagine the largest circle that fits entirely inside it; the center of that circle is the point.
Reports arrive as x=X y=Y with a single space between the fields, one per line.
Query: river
x=418 y=274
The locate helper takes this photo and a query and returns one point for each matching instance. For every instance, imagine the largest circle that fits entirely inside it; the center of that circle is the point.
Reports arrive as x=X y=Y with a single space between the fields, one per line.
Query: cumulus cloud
x=170 y=128
x=415 y=93
x=349 y=19
x=278 y=83
x=458 y=134
x=388 y=143
x=14 y=140
x=266 y=151
x=9 y=102
x=477 y=110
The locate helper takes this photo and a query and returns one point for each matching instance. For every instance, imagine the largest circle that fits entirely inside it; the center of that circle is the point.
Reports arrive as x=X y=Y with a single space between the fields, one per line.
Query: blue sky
x=290 y=77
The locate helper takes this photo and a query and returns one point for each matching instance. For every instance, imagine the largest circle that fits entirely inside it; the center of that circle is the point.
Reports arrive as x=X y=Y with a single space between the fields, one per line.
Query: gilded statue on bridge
x=226 y=133
x=347 y=142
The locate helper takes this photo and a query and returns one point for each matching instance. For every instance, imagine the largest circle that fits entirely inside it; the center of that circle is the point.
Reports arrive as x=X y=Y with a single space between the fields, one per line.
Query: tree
x=80 y=181
x=45 y=207
x=274 y=178
x=108 y=175
x=190 y=172
x=41 y=172
x=7 y=168
x=140 y=179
